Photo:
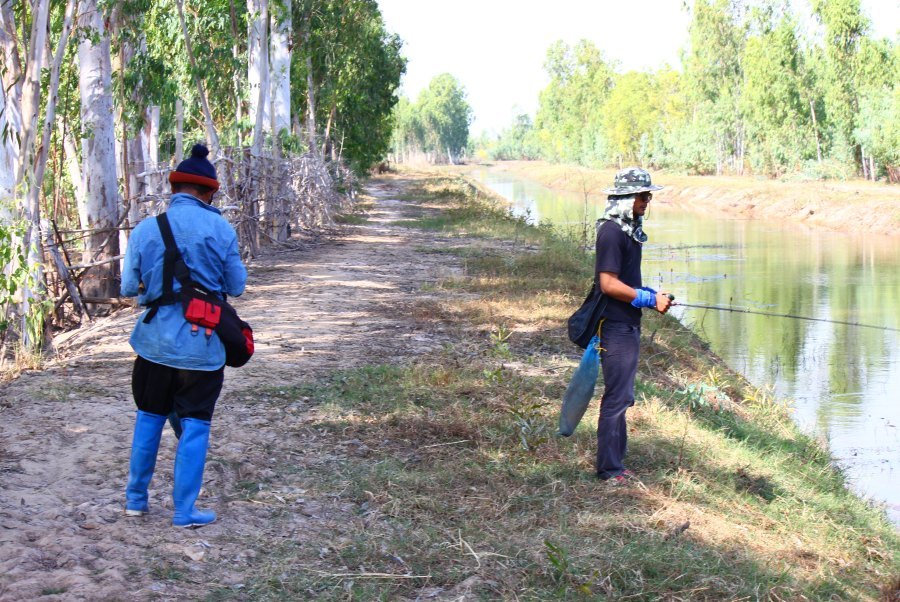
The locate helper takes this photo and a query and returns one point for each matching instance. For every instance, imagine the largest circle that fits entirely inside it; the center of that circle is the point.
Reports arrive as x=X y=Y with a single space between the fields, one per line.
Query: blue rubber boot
x=144 y=445
x=189 y=462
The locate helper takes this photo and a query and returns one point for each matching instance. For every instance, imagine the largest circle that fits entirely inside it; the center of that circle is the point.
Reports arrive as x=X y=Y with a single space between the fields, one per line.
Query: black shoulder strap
x=173 y=268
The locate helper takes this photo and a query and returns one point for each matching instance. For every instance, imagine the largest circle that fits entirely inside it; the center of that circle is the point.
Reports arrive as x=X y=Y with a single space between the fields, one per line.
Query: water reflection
x=844 y=379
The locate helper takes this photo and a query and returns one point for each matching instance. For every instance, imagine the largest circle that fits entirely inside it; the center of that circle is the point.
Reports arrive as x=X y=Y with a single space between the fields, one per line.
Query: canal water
x=843 y=381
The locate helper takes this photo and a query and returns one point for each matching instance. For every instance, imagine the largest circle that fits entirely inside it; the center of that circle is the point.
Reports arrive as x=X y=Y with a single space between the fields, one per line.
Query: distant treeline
x=435 y=127
x=757 y=94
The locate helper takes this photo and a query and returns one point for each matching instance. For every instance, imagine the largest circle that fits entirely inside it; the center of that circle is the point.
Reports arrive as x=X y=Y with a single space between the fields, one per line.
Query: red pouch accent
x=248 y=340
x=203 y=313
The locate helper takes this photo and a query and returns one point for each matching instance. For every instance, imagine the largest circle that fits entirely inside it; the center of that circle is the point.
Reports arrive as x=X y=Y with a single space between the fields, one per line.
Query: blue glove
x=647 y=288
x=644 y=299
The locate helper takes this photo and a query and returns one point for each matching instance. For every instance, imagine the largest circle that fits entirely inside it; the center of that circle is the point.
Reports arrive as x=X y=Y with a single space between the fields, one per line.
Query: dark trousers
x=620 y=345
x=160 y=389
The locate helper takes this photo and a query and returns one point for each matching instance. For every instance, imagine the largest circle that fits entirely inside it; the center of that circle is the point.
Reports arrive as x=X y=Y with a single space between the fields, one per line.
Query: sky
x=496 y=48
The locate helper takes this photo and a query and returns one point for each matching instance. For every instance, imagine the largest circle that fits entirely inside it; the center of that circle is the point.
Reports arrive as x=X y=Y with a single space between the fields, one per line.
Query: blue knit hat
x=196 y=169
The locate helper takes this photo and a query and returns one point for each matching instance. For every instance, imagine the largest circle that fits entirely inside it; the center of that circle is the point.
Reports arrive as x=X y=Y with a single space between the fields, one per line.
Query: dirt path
x=65 y=432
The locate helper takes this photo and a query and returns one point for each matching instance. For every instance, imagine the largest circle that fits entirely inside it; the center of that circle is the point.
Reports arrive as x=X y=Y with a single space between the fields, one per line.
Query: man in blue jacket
x=179 y=367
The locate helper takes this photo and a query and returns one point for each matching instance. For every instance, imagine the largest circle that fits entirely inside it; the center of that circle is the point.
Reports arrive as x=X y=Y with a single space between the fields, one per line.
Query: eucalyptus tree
x=779 y=125
x=280 y=60
x=714 y=73
x=570 y=120
x=258 y=68
x=98 y=163
x=352 y=66
x=631 y=117
x=445 y=116
x=877 y=130
x=845 y=26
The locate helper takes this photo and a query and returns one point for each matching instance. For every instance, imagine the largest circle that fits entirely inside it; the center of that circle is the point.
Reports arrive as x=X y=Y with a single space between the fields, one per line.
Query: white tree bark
x=311 y=105
x=98 y=152
x=27 y=187
x=179 y=131
x=11 y=75
x=7 y=161
x=31 y=89
x=281 y=66
x=73 y=167
x=11 y=98
x=154 y=135
x=258 y=64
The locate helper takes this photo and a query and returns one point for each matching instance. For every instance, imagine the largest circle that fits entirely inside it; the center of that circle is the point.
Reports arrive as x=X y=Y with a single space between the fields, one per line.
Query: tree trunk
x=281 y=67
x=98 y=153
x=327 y=143
x=278 y=208
x=11 y=75
x=27 y=186
x=310 y=102
x=212 y=138
x=235 y=54
x=258 y=63
x=50 y=110
x=11 y=79
x=73 y=167
x=812 y=110
x=179 y=131
x=7 y=160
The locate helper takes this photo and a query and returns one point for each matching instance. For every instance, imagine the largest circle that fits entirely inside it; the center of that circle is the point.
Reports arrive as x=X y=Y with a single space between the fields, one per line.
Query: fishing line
x=774 y=315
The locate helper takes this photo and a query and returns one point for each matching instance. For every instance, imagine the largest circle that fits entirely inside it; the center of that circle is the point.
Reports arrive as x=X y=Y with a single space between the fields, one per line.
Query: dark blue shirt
x=620 y=254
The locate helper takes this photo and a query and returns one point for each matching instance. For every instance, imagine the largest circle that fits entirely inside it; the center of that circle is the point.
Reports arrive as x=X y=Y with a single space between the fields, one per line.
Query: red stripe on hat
x=180 y=177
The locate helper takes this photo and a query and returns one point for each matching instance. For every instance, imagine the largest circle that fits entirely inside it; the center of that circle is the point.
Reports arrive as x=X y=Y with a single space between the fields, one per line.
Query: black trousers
x=619 y=359
x=160 y=389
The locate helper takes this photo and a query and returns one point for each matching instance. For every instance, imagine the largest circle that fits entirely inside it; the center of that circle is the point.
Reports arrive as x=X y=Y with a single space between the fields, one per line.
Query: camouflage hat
x=631 y=180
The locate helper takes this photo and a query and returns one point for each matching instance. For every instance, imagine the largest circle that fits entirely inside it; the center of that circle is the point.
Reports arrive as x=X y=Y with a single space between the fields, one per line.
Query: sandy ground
x=65 y=432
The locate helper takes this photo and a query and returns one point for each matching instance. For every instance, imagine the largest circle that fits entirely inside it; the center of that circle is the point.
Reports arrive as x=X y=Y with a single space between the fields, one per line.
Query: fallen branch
x=84 y=266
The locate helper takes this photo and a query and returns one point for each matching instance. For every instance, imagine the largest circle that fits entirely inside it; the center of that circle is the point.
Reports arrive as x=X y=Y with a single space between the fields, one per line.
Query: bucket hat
x=631 y=180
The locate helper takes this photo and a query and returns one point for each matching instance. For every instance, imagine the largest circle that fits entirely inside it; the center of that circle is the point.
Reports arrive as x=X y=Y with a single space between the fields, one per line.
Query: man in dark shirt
x=620 y=237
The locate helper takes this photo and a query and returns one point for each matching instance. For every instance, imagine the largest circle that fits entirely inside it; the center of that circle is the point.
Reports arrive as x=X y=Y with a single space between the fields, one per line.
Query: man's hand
x=663 y=302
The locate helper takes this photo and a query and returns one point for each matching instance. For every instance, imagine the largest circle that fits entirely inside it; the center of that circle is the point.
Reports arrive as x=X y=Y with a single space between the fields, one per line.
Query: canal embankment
x=855 y=205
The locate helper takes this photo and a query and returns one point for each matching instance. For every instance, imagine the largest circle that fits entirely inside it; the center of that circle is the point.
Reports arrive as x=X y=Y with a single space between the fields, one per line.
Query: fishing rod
x=741 y=310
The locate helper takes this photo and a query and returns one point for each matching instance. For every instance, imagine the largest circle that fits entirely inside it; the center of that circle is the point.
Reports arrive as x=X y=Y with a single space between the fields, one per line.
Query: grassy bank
x=462 y=489
x=856 y=205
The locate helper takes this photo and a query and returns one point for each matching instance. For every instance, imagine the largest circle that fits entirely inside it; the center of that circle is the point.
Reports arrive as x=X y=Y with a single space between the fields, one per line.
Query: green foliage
x=531 y=424
x=15 y=279
x=516 y=142
x=752 y=98
x=500 y=341
x=437 y=123
x=13 y=270
x=356 y=66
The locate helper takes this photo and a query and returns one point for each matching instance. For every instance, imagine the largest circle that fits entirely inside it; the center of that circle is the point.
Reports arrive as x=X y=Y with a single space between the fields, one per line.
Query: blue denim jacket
x=208 y=245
